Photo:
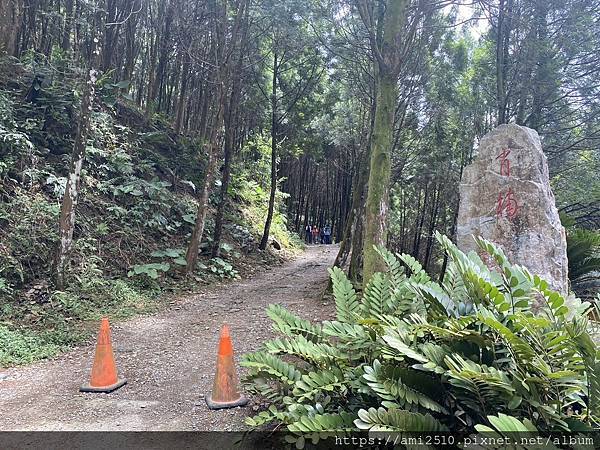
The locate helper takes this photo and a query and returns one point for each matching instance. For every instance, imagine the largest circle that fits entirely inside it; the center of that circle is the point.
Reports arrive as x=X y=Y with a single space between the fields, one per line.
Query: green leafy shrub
x=222 y=268
x=583 y=252
x=12 y=141
x=177 y=255
x=5 y=287
x=28 y=236
x=19 y=347
x=152 y=270
x=411 y=354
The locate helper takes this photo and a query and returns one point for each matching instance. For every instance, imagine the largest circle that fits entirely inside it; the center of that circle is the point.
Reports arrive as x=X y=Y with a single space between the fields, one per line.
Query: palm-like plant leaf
x=397 y=420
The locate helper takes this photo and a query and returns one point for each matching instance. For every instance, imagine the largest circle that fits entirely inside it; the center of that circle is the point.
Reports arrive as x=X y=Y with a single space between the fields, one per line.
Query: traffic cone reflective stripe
x=225 y=393
x=104 y=371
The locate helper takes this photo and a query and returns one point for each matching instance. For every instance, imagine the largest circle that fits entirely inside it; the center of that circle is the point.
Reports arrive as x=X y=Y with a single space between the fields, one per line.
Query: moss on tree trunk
x=388 y=62
x=377 y=206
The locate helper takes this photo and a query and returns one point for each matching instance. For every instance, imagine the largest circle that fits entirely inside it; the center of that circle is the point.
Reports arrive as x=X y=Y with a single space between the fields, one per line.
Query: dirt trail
x=168 y=359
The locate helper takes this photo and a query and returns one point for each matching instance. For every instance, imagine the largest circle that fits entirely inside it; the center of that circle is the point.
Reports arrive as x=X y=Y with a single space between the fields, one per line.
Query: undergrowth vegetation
x=251 y=186
x=480 y=351
x=135 y=215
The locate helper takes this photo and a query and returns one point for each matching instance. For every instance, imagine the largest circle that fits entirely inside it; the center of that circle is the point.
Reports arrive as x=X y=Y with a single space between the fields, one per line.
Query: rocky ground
x=168 y=359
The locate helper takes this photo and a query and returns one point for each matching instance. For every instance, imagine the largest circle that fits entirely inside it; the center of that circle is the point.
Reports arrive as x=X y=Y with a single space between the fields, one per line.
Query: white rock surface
x=505 y=197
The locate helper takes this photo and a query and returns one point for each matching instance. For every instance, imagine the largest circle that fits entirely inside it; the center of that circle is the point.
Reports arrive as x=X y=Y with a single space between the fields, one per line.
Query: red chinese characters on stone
x=504 y=162
x=506 y=205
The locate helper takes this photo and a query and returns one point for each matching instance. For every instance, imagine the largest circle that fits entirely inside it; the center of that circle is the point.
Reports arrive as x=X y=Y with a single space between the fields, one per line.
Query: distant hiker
x=308 y=236
x=322 y=236
x=327 y=234
x=315 y=234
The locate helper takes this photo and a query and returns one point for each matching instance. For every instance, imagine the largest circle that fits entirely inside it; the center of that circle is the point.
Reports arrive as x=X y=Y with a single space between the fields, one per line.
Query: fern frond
x=462 y=261
x=404 y=386
x=507 y=424
x=401 y=299
x=265 y=388
x=265 y=417
x=436 y=357
x=454 y=285
x=305 y=349
x=395 y=271
x=263 y=364
x=397 y=420
x=554 y=300
x=292 y=325
x=418 y=274
x=590 y=354
x=451 y=330
x=482 y=387
x=314 y=383
x=519 y=347
x=346 y=301
x=377 y=296
x=352 y=337
x=404 y=301
x=486 y=293
x=434 y=296
x=324 y=423
x=494 y=251
x=403 y=349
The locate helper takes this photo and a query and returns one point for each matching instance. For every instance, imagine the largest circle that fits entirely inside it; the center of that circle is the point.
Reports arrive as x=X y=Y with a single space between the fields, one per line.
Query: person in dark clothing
x=308 y=232
x=327 y=234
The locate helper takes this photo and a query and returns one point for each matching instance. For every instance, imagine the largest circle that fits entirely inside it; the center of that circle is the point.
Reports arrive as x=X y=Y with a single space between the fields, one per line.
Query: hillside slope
x=134 y=218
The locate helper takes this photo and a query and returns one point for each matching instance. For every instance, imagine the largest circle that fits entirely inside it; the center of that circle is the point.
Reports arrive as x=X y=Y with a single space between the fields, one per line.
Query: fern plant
x=410 y=354
x=583 y=252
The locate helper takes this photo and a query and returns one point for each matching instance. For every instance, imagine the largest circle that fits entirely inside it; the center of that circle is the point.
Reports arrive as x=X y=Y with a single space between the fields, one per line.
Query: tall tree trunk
x=464 y=160
x=432 y=226
x=504 y=28
x=376 y=208
x=152 y=51
x=230 y=124
x=388 y=66
x=361 y=174
x=66 y=37
x=185 y=76
x=66 y=223
x=419 y=224
x=191 y=256
x=221 y=79
x=274 y=124
x=8 y=25
x=542 y=65
x=163 y=56
x=110 y=36
x=131 y=47
x=203 y=198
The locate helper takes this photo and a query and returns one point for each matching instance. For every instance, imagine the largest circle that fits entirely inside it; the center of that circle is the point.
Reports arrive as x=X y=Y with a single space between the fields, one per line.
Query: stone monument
x=505 y=197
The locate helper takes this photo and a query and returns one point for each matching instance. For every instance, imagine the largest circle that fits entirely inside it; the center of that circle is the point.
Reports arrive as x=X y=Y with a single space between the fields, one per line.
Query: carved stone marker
x=505 y=197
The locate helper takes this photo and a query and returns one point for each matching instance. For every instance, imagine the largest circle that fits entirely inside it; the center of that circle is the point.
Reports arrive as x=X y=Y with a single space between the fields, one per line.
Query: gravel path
x=168 y=359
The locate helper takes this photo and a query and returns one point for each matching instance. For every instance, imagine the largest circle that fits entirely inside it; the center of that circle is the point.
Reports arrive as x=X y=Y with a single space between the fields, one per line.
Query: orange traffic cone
x=104 y=372
x=225 y=393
